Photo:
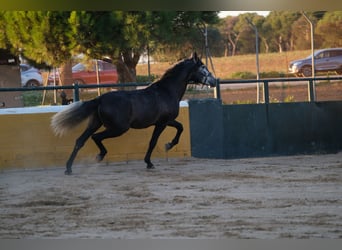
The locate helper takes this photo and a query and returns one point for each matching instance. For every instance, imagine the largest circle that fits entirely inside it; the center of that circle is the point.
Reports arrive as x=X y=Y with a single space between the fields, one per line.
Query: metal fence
x=311 y=85
x=262 y=83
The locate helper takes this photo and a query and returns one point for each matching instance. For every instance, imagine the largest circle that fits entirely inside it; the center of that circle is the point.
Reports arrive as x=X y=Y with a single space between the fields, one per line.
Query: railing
x=265 y=84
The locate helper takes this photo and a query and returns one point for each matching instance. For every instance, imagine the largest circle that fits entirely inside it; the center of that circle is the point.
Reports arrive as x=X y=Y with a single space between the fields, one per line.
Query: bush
x=145 y=78
x=32 y=98
x=272 y=74
x=243 y=75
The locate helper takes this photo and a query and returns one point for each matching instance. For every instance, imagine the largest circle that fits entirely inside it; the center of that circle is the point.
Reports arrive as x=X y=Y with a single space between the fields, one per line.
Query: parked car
x=30 y=76
x=325 y=60
x=86 y=73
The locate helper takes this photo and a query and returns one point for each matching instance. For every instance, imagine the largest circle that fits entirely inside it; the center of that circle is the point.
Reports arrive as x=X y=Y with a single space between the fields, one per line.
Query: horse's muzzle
x=210 y=80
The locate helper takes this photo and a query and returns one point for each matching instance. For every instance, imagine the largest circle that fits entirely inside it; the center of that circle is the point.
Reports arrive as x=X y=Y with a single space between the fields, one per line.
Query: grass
x=270 y=65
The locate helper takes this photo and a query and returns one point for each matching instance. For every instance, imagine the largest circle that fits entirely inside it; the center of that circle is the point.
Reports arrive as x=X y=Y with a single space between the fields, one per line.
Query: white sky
x=236 y=13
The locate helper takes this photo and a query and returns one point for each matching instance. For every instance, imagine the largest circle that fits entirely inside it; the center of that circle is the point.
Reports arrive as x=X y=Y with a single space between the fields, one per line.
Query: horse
x=118 y=111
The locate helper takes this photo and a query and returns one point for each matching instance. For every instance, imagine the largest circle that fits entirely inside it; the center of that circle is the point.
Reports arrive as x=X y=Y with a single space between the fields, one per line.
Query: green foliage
x=32 y=98
x=250 y=75
x=272 y=74
x=146 y=78
x=53 y=37
x=243 y=75
x=243 y=102
x=42 y=36
x=329 y=29
x=289 y=98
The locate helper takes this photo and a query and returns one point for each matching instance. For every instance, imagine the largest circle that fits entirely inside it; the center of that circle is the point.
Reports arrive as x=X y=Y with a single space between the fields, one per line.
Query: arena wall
x=27 y=141
x=259 y=130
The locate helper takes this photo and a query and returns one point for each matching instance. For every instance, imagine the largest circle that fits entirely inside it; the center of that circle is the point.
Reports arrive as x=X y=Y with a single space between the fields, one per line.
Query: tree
x=42 y=36
x=176 y=34
x=238 y=35
x=264 y=32
x=329 y=29
x=231 y=34
x=280 y=23
x=124 y=36
x=301 y=34
x=53 y=37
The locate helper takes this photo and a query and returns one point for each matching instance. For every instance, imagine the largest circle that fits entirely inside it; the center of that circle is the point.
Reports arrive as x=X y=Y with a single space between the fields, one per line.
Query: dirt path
x=278 y=197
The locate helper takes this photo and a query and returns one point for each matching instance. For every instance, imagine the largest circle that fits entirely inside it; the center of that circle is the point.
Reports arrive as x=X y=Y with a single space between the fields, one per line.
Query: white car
x=30 y=76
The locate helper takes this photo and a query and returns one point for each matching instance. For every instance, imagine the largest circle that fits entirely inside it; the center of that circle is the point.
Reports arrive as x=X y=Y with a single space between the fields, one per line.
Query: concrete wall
x=211 y=130
x=27 y=141
x=235 y=131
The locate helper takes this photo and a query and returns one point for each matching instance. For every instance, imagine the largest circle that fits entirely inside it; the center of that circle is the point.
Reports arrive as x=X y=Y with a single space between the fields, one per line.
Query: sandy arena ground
x=276 y=197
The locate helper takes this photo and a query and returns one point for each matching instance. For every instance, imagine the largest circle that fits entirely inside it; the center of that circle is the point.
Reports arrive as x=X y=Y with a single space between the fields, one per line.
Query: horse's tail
x=72 y=115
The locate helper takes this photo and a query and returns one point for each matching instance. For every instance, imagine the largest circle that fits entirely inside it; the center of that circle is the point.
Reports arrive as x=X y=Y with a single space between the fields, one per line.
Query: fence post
x=217 y=91
x=76 y=92
x=266 y=92
x=311 y=91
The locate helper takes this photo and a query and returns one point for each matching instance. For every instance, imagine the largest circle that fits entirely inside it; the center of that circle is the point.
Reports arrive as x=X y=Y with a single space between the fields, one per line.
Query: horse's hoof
x=150 y=166
x=99 y=158
x=68 y=172
x=168 y=146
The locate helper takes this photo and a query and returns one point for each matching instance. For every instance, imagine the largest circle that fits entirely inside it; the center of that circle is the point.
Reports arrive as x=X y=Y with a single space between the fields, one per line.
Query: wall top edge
x=48 y=109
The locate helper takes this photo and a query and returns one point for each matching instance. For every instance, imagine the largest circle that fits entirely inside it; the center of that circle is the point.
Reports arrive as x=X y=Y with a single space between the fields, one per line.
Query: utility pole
x=204 y=30
x=312 y=56
x=256 y=55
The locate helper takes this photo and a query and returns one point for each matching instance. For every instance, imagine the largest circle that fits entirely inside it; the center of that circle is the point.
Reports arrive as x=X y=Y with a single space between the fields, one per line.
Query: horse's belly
x=152 y=119
x=143 y=122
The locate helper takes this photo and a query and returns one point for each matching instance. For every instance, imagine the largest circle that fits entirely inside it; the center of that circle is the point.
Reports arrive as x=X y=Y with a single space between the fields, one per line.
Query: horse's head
x=201 y=74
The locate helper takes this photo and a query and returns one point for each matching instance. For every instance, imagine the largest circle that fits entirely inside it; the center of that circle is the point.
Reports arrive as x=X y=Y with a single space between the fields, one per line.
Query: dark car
x=325 y=60
x=85 y=73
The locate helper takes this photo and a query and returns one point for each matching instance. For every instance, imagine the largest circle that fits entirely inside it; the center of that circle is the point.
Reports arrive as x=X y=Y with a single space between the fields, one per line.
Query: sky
x=236 y=13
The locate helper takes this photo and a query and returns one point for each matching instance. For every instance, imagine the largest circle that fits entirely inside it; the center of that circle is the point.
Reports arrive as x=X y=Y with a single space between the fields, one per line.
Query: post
x=204 y=31
x=97 y=76
x=148 y=64
x=266 y=93
x=256 y=56
x=311 y=84
x=311 y=91
x=76 y=92
x=217 y=89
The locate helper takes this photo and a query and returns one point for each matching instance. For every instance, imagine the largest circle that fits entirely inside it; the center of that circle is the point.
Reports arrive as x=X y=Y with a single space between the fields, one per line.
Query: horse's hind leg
x=175 y=140
x=93 y=125
x=99 y=137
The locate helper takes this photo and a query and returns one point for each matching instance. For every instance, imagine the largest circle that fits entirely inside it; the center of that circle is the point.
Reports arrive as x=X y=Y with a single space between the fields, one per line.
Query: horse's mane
x=173 y=70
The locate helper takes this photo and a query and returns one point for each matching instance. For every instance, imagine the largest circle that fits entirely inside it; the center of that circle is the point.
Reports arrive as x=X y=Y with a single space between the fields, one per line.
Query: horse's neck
x=175 y=87
x=175 y=84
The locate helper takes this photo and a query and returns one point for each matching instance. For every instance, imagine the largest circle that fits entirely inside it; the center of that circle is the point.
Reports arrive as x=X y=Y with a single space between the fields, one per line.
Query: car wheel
x=32 y=83
x=307 y=71
x=78 y=81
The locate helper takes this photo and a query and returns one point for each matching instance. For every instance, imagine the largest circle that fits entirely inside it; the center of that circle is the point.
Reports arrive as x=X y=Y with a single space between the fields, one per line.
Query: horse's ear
x=195 y=57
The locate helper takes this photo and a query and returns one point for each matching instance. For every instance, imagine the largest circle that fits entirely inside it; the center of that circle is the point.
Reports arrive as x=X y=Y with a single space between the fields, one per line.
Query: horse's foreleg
x=156 y=133
x=99 y=137
x=175 y=140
